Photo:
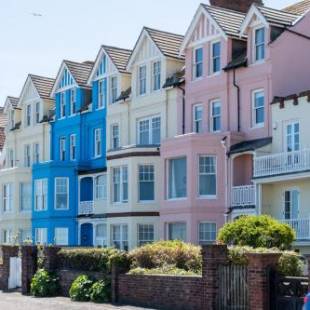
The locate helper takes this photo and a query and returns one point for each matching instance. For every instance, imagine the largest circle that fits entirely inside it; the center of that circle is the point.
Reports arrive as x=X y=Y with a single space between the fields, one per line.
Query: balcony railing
x=86 y=207
x=282 y=163
x=242 y=196
x=301 y=227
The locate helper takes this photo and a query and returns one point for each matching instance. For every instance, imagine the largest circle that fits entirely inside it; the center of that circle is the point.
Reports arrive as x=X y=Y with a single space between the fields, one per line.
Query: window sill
x=61 y=209
x=197 y=79
x=176 y=199
x=207 y=197
x=258 y=126
x=140 y=202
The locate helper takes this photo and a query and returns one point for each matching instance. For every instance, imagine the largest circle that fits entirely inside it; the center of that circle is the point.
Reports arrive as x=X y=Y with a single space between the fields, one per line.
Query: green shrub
x=165 y=270
x=100 y=292
x=44 y=284
x=174 y=253
x=80 y=289
x=290 y=264
x=92 y=259
x=257 y=231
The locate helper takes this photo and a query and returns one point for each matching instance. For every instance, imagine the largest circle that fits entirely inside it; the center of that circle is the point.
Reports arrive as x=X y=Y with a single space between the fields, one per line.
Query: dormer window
x=37 y=111
x=156 y=75
x=62 y=105
x=198 y=63
x=216 y=57
x=259 y=39
x=114 y=91
x=142 y=80
x=102 y=93
x=72 y=101
x=28 y=115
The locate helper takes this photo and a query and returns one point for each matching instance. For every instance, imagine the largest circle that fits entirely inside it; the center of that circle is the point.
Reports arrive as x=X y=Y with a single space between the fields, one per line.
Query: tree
x=257 y=231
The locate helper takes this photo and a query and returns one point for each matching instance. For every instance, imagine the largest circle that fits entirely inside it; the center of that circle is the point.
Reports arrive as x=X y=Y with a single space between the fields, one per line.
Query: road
x=16 y=301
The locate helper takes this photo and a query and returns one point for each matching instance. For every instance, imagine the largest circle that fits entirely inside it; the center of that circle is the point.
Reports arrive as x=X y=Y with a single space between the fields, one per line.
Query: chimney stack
x=236 y=5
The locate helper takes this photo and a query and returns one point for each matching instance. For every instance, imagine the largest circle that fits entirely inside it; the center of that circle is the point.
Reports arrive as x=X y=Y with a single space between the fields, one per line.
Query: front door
x=15 y=277
x=86 y=235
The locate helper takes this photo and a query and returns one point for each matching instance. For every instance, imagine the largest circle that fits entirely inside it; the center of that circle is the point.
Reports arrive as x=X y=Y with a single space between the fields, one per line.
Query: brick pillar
x=259 y=267
x=29 y=266
x=6 y=253
x=115 y=272
x=50 y=258
x=212 y=257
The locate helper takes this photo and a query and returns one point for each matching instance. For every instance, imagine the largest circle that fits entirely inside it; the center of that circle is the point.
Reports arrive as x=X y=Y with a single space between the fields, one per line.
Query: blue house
x=67 y=186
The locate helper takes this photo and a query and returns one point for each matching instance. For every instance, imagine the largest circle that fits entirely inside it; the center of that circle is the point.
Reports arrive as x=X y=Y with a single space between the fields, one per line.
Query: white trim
x=253 y=45
x=210 y=197
x=194 y=107
x=255 y=125
x=55 y=193
x=26 y=85
x=211 y=116
x=211 y=71
x=71 y=144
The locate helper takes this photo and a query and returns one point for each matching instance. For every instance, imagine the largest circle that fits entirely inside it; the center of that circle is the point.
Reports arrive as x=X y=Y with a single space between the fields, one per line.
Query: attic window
x=102 y=69
x=198 y=63
x=66 y=79
x=259 y=38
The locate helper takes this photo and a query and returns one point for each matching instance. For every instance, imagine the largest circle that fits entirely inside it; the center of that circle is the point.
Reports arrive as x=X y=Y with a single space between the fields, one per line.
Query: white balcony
x=86 y=207
x=301 y=227
x=282 y=163
x=242 y=196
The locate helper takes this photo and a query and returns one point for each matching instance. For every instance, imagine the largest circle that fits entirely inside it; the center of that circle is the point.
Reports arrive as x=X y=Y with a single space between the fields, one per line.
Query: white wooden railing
x=301 y=227
x=282 y=163
x=242 y=196
x=86 y=207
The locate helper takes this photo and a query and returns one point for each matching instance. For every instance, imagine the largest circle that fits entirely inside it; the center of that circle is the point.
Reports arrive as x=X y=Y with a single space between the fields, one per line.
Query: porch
x=93 y=232
x=282 y=163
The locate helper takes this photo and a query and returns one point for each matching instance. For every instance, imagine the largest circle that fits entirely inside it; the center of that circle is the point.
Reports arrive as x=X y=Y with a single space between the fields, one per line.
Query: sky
x=36 y=35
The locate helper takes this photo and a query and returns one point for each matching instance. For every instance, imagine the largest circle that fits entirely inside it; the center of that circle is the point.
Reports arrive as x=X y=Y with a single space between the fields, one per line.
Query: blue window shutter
x=95 y=94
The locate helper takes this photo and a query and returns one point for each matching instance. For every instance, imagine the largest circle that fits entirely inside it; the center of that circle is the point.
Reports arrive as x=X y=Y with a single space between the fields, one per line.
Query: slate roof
x=278 y=17
x=168 y=43
x=43 y=85
x=250 y=145
x=14 y=101
x=298 y=8
x=119 y=56
x=3 y=118
x=229 y=21
x=80 y=71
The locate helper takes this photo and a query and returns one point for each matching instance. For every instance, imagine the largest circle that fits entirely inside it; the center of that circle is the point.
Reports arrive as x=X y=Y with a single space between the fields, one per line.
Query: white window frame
x=64 y=236
x=156 y=75
x=7 y=197
x=36 y=153
x=196 y=63
x=27 y=155
x=101 y=240
x=207 y=196
x=148 y=227
x=11 y=161
x=176 y=223
x=200 y=241
x=62 y=105
x=28 y=115
x=197 y=121
x=113 y=89
x=40 y=235
x=255 y=60
x=101 y=189
x=57 y=193
x=41 y=196
x=72 y=101
x=150 y=171
x=122 y=241
x=37 y=112
x=293 y=136
x=142 y=80
x=73 y=147
x=62 y=148
x=215 y=102
x=97 y=142
x=115 y=138
x=23 y=197
x=12 y=118
x=254 y=108
x=102 y=93
x=212 y=57
x=169 y=197
x=7 y=236
x=123 y=179
x=291 y=190
x=150 y=129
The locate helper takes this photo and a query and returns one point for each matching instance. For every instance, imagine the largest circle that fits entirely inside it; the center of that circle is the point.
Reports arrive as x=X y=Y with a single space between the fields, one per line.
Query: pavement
x=16 y=301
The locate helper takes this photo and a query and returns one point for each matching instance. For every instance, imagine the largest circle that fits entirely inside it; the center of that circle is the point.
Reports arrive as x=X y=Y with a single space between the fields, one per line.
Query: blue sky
x=75 y=29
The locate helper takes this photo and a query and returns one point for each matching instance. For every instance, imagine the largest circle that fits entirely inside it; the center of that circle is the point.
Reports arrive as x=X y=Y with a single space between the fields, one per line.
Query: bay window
x=198 y=63
x=25 y=196
x=258 y=107
x=27 y=156
x=40 y=194
x=197 y=118
x=215 y=117
x=149 y=131
x=145 y=234
x=177 y=176
x=61 y=193
x=177 y=231
x=114 y=90
x=207 y=232
x=119 y=236
x=120 y=184
x=216 y=57
x=207 y=176
x=101 y=187
x=146 y=183
x=7 y=197
x=115 y=139
x=101 y=235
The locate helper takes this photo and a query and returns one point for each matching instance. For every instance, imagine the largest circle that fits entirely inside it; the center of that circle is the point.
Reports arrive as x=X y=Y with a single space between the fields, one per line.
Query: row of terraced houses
x=169 y=140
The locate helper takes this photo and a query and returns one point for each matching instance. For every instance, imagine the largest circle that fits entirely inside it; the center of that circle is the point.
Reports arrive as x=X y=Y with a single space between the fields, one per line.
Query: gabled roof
x=13 y=101
x=168 y=43
x=228 y=20
x=80 y=70
x=43 y=85
x=298 y=8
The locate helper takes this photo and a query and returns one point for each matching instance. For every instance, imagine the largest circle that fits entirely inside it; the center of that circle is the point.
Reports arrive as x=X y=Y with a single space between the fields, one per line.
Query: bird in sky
x=36 y=14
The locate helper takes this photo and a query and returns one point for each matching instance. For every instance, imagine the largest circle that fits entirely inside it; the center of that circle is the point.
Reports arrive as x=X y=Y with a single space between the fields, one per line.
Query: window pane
x=207 y=176
x=145 y=234
x=61 y=193
x=216 y=53
x=146 y=183
x=177 y=178
x=156 y=130
x=197 y=111
x=207 y=232
x=177 y=231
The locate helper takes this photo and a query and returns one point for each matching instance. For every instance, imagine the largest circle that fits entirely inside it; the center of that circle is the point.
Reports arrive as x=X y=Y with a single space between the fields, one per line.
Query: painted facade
x=27 y=142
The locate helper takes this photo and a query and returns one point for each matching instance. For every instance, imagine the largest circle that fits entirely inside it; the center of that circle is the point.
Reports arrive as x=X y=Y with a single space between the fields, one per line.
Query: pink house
x=235 y=66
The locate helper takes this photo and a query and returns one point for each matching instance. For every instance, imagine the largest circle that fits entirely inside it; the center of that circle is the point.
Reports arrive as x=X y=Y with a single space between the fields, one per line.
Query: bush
x=92 y=259
x=165 y=270
x=290 y=264
x=173 y=253
x=100 y=292
x=80 y=289
x=44 y=284
x=257 y=231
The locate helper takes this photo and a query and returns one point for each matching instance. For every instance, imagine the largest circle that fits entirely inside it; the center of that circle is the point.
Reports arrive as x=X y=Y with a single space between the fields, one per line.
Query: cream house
x=136 y=124
x=27 y=142
x=283 y=175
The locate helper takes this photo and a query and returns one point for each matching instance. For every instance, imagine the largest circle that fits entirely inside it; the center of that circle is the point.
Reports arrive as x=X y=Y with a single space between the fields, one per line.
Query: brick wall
x=163 y=292
x=6 y=253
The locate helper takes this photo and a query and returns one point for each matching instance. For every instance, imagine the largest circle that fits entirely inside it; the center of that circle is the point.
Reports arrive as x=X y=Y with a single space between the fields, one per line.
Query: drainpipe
x=224 y=145
x=238 y=98
x=183 y=108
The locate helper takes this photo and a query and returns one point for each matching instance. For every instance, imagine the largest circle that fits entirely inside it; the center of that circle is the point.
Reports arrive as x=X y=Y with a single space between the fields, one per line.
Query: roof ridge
x=278 y=10
x=223 y=9
x=41 y=76
x=87 y=64
x=115 y=47
x=162 y=31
